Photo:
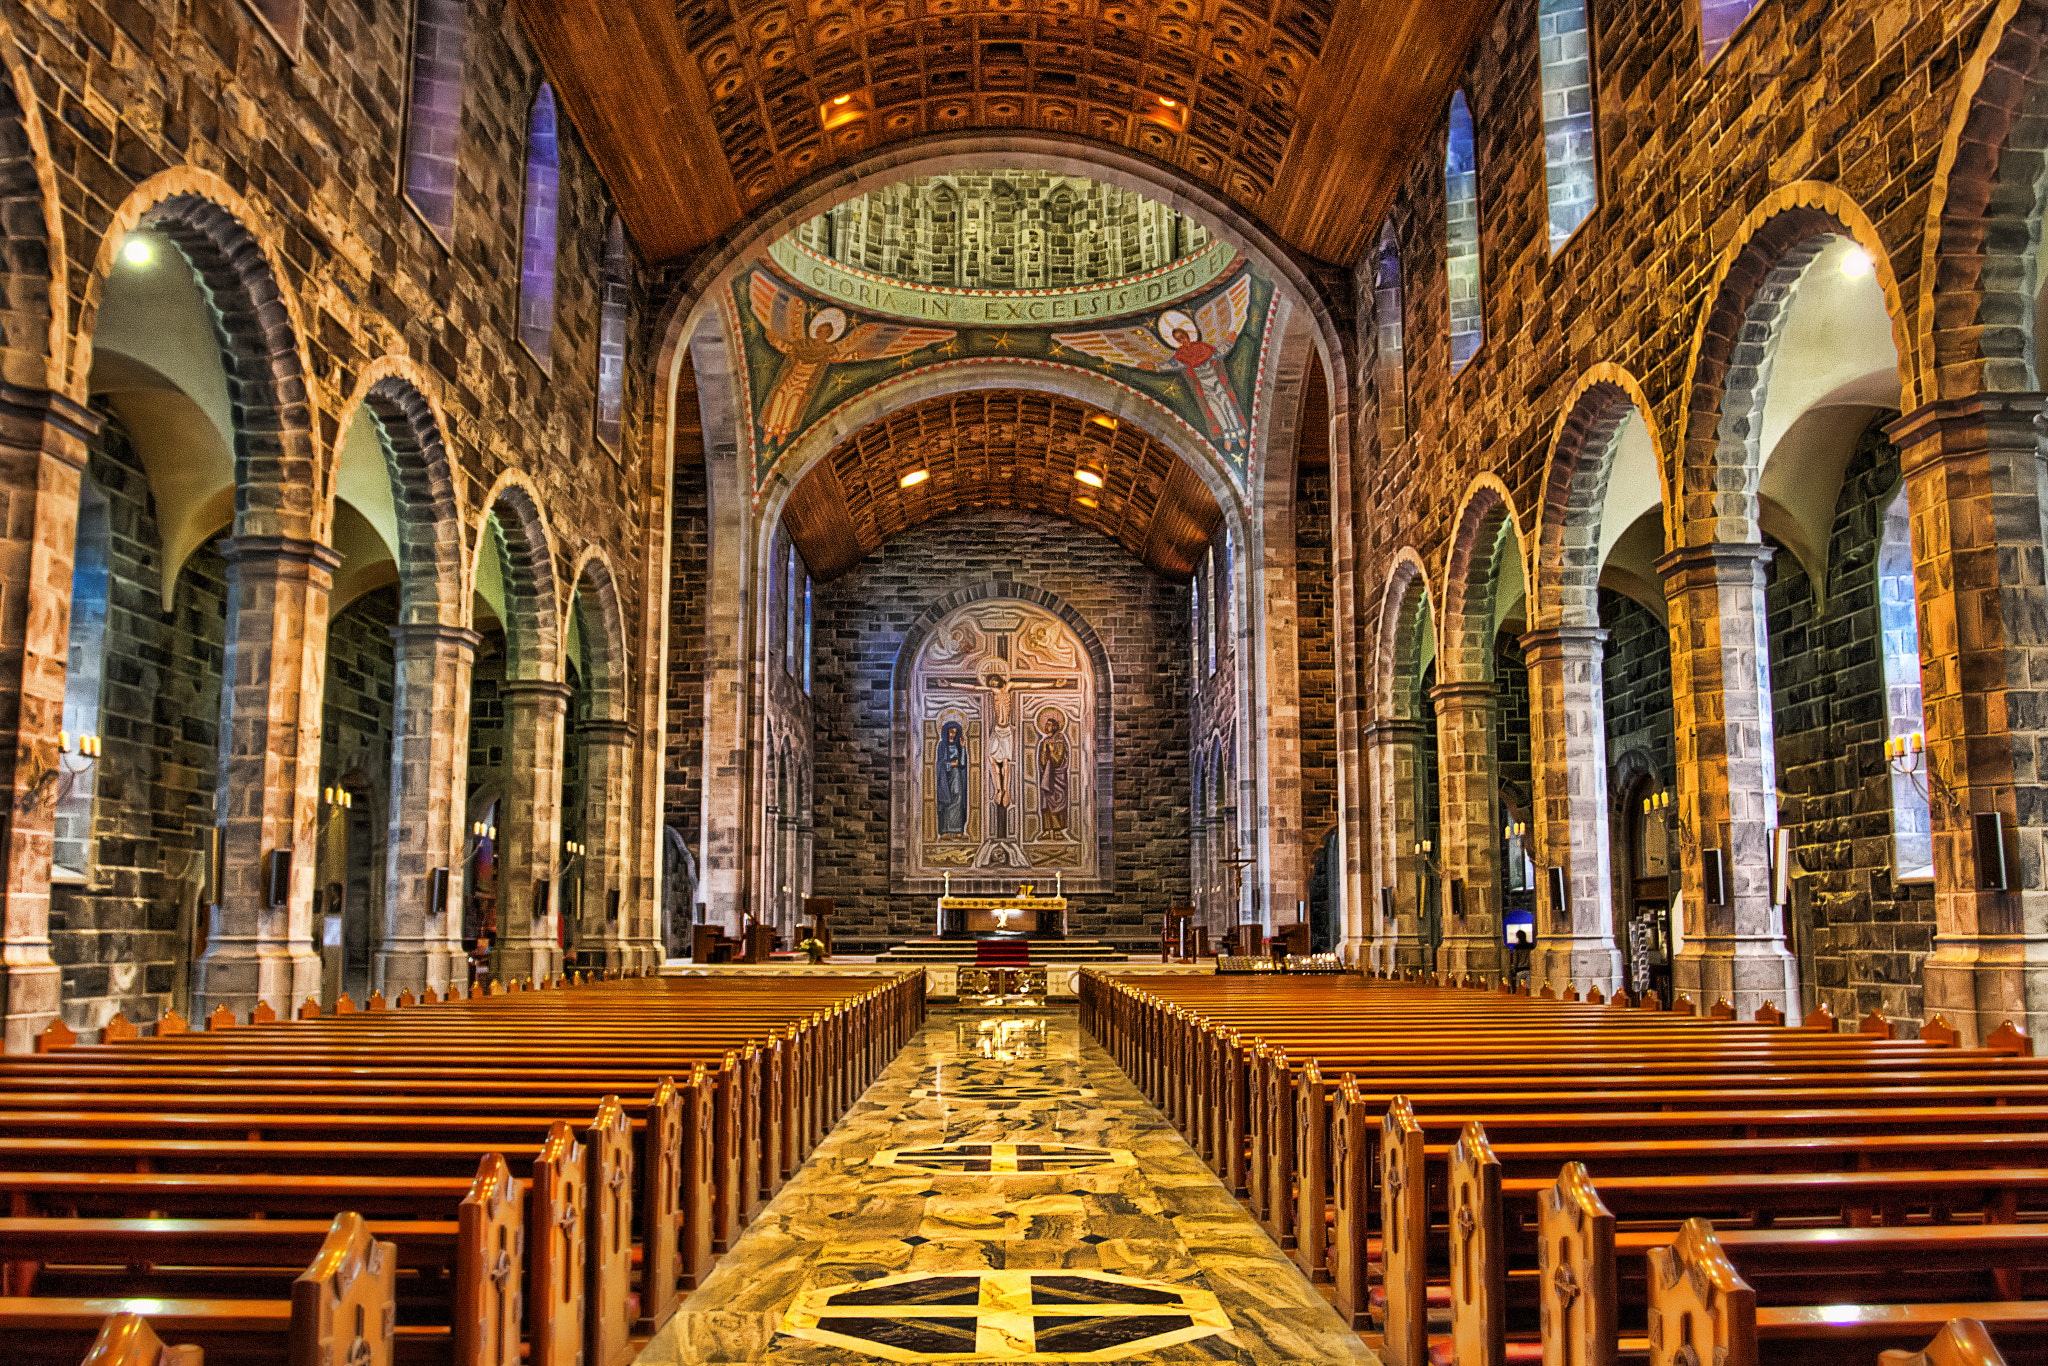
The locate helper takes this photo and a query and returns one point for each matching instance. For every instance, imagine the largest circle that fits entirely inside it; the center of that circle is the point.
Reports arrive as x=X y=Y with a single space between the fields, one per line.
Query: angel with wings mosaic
x=811 y=342
x=1196 y=346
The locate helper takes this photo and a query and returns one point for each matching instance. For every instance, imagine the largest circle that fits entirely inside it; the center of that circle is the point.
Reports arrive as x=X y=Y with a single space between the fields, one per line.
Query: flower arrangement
x=814 y=949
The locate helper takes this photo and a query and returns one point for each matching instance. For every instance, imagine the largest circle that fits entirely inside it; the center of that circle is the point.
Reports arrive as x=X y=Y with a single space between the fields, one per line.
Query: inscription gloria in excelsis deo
x=1020 y=308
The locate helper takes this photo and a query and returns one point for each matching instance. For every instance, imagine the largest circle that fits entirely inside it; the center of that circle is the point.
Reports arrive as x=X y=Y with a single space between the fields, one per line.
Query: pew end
x=345 y=1305
x=128 y=1340
x=1962 y=1342
x=1575 y=1271
x=1700 y=1307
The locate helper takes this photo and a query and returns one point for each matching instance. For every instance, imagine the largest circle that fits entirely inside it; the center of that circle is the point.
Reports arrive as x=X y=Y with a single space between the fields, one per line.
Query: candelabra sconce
x=574 y=848
x=340 y=798
x=88 y=746
x=483 y=830
x=1658 y=802
x=1424 y=852
x=1909 y=757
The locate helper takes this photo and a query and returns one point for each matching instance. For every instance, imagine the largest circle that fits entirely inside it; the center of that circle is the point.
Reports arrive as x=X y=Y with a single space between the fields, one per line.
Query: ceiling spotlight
x=136 y=251
x=913 y=479
x=1168 y=103
x=1856 y=264
x=1104 y=420
x=1088 y=502
x=1089 y=477
x=841 y=99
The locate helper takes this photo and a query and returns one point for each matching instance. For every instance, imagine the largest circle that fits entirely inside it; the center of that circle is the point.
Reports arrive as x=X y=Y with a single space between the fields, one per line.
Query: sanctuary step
x=965 y=951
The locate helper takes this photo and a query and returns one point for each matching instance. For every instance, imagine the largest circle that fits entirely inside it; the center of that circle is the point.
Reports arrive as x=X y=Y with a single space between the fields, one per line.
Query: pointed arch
x=1405 y=607
x=533 y=631
x=262 y=340
x=1564 y=590
x=1486 y=522
x=1979 y=293
x=1461 y=234
x=1713 y=492
x=34 y=262
x=595 y=593
x=401 y=396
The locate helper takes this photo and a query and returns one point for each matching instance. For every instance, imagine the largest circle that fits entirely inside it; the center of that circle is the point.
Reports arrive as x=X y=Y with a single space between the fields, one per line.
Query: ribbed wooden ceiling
x=1303 y=112
x=1000 y=448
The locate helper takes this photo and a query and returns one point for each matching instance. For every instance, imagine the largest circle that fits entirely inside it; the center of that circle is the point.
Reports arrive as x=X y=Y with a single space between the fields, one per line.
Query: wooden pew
x=339 y=1313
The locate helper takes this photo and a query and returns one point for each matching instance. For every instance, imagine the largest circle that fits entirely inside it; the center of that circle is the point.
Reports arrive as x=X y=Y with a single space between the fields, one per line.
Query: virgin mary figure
x=1052 y=773
x=951 y=780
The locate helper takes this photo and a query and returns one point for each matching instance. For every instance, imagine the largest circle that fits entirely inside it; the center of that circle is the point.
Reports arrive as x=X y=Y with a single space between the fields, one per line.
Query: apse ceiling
x=1304 y=112
x=1000 y=448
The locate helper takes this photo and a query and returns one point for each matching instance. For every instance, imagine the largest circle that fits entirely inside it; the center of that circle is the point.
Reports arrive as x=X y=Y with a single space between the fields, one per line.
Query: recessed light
x=1089 y=477
x=1168 y=103
x=913 y=479
x=841 y=99
x=1088 y=502
x=1104 y=420
x=136 y=251
x=1856 y=264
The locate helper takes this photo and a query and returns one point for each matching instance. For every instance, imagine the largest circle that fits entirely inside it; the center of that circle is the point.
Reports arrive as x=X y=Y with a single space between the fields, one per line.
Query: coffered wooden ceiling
x=1304 y=112
x=1000 y=448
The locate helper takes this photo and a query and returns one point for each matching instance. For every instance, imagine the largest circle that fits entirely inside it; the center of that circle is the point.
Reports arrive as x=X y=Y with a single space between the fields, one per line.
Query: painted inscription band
x=1010 y=307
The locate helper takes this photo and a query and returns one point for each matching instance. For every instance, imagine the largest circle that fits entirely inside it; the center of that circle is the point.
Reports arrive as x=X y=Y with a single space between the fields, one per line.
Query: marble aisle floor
x=1003 y=1193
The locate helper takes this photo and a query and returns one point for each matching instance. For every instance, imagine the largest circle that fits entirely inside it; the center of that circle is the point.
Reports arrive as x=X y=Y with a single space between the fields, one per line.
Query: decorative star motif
x=1001 y=343
x=841 y=381
x=1173 y=389
x=950 y=348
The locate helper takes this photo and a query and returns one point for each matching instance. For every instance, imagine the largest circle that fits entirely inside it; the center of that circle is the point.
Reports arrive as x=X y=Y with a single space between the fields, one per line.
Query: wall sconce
x=341 y=797
x=88 y=745
x=1909 y=758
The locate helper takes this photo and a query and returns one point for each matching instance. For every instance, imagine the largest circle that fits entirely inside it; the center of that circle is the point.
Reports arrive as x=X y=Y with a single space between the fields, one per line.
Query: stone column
x=1396 y=750
x=1974 y=489
x=429 y=772
x=530 y=830
x=269 y=796
x=607 y=762
x=1727 y=777
x=1574 y=942
x=1470 y=791
x=42 y=456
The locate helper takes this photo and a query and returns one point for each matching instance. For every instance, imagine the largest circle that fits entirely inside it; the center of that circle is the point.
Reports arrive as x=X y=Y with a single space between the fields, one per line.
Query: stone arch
x=262 y=341
x=1465 y=630
x=1564 y=590
x=34 y=263
x=533 y=630
x=1404 y=606
x=1978 y=286
x=401 y=397
x=1714 y=489
x=595 y=587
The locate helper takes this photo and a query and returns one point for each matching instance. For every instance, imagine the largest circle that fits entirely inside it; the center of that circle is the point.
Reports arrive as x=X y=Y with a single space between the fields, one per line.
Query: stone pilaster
x=530 y=831
x=430 y=760
x=1574 y=942
x=1974 y=490
x=269 y=775
x=42 y=456
x=607 y=763
x=1395 y=748
x=1727 y=777
x=1471 y=828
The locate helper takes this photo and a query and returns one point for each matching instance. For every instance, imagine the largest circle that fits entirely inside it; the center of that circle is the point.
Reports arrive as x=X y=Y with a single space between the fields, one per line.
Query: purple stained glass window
x=537 y=254
x=433 y=125
x=1461 y=233
x=611 y=336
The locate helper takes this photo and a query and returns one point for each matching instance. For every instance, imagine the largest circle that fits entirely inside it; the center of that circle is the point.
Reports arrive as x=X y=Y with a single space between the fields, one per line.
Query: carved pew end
x=1961 y=1342
x=128 y=1340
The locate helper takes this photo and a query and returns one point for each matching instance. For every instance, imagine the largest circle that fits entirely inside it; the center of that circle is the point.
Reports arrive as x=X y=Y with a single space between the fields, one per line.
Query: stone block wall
x=1860 y=932
x=861 y=620
x=1212 y=728
x=689 y=591
x=120 y=938
x=1315 y=653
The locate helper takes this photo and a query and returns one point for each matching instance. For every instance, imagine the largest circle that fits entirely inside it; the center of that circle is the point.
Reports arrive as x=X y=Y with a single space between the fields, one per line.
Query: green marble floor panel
x=1003 y=1193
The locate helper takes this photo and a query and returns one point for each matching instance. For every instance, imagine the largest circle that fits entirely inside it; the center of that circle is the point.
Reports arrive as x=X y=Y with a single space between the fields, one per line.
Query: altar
x=1024 y=914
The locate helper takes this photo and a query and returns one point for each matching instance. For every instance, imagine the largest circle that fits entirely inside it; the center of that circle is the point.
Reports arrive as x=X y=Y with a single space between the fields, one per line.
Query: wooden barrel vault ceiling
x=1000 y=448
x=1303 y=112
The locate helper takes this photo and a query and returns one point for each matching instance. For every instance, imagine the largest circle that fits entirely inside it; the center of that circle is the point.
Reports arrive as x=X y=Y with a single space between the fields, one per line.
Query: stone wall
x=1212 y=731
x=1861 y=933
x=689 y=592
x=1315 y=652
x=288 y=169
x=861 y=620
x=120 y=937
x=783 y=857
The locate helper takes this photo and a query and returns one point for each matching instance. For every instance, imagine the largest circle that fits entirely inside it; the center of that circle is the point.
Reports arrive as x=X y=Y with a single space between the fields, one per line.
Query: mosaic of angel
x=812 y=341
x=1196 y=346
